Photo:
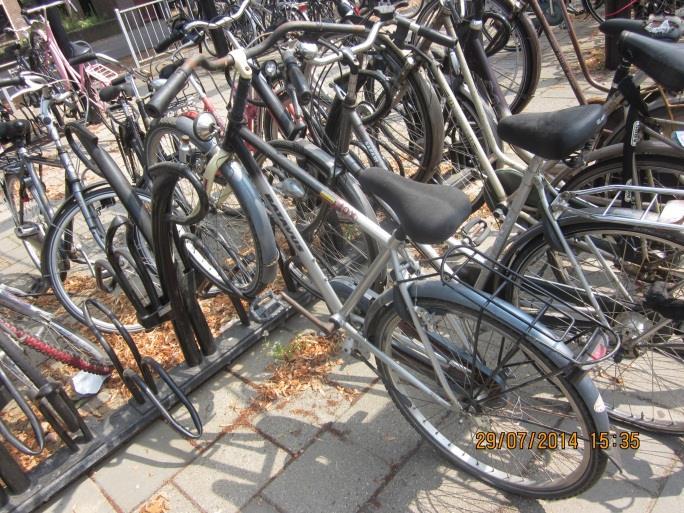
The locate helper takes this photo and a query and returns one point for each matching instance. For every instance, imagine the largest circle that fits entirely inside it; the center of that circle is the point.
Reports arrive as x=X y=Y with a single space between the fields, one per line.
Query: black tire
x=518 y=87
x=71 y=249
x=38 y=380
x=339 y=245
x=532 y=474
x=525 y=47
x=644 y=388
x=410 y=135
x=228 y=229
x=460 y=166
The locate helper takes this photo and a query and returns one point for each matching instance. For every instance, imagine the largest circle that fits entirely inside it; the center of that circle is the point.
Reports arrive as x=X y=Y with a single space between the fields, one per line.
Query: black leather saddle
x=428 y=213
x=662 y=61
x=14 y=131
x=553 y=135
x=81 y=52
x=615 y=26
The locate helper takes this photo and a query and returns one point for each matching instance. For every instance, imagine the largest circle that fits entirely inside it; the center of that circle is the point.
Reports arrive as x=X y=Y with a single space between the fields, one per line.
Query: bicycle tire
x=53 y=344
x=412 y=129
x=396 y=337
x=530 y=49
x=660 y=171
x=69 y=270
x=633 y=389
x=256 y=268
x=29 y=370
x=340 y=247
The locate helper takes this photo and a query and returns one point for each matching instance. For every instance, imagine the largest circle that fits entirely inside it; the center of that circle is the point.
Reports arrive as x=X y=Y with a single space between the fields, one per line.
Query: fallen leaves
x=158 y=504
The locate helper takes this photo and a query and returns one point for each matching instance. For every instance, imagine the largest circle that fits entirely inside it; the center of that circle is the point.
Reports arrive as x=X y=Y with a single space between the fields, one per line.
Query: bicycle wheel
x=460 y=166
x=34 y=378
x=409 y=133
x=227 y=230
x=53 y=341
x=71 y=254
x=642 y=387
x=652 y=171
x=504 y=385
x=26 y=215
x=517 y=65
x=340 y=247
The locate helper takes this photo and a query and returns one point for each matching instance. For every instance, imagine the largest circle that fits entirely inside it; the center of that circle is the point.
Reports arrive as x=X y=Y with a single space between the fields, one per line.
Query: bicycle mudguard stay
x=501 y=311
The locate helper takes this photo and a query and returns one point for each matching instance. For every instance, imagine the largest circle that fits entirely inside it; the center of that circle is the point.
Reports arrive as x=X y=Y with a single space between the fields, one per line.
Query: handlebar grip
x=164 y=44
x=161 y=99
x=16 y=81
x=296 y=77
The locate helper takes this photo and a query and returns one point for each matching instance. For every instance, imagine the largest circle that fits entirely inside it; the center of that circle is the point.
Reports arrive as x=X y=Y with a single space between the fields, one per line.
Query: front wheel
x=507 y=392
x=72 y=251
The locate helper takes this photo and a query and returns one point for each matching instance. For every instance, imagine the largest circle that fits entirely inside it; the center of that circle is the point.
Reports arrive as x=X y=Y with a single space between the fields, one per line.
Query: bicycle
x=424 y=350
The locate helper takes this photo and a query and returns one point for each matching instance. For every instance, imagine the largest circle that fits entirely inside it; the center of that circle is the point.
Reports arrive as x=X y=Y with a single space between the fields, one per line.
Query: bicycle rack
x=170 y=294
x=145 y=386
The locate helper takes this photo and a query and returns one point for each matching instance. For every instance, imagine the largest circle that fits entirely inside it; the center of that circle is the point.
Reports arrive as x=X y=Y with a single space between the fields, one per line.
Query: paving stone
x=353 y=373
x=606 y=496
x=649 y=466
x=254 y=364
x=331 y=476
x=427 y=484
x=258 y=505
x=671 y=496
x=173 y=499
x=219 y=403
x=227 y=474
x=82 y=497
x=374 y=423
x=295 y=422
x=157 y=455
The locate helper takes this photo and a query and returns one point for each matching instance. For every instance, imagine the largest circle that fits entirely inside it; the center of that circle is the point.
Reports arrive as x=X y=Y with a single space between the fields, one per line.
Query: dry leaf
x=159 y=504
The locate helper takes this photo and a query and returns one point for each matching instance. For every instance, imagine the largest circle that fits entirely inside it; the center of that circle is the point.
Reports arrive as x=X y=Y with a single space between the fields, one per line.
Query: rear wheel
x=505 y=390
x=642 y=386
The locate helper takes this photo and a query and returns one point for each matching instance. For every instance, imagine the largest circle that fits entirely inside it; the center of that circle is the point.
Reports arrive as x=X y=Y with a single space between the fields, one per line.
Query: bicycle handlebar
x=43 y=7
x=175 y=83
x=222 y=22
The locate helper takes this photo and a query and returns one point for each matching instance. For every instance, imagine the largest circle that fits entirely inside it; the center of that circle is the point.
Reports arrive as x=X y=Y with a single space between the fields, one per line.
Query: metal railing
x=146 y=25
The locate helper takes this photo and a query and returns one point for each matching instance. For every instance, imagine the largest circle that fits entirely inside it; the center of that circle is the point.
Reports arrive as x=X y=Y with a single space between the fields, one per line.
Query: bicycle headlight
x=204 y=126
x=270 y=69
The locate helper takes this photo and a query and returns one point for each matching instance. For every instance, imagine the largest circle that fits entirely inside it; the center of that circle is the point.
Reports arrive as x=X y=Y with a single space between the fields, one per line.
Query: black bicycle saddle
x=663 y=62
x=553 y=135
x=428 y=213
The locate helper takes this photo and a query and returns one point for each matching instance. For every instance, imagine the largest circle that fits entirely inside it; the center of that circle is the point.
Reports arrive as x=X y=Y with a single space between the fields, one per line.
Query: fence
x=146 y=25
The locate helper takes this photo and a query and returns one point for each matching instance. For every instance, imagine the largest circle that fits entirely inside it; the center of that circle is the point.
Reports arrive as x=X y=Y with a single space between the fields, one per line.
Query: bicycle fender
x=505 y=313
x=243 y=188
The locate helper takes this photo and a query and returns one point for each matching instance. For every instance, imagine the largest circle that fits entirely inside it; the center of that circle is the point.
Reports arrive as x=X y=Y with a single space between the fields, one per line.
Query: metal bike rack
x=204 y=355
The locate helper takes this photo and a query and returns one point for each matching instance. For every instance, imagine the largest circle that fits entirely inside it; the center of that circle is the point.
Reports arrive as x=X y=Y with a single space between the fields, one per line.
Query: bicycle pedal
x=27 y=230
x=475 y=231
x=266 y=307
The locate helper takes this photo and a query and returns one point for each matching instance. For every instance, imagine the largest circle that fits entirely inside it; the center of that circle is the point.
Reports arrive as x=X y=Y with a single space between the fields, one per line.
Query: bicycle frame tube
x=239 y=141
